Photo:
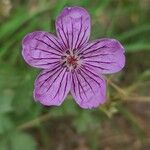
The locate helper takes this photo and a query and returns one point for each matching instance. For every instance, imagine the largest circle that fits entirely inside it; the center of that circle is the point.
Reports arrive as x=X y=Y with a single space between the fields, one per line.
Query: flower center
x=70 y=60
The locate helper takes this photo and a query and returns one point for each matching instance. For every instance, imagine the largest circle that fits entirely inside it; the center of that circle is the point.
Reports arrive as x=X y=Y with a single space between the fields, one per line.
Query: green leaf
x=13 y=23
x=110 y=109
x=69 y=107
x=85 y=121
x=6 y=123
x=3 y=144
x=6 y=101
x=101 y=6
x=23 y=98
x=22 y=141
x=145 y=76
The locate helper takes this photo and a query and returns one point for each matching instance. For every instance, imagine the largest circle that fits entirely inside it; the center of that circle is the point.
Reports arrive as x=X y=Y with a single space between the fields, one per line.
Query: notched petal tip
x=73 y=27
x=75 y=12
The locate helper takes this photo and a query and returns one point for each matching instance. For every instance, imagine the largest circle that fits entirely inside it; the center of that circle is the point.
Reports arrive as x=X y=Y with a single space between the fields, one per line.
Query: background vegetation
x=121 y=124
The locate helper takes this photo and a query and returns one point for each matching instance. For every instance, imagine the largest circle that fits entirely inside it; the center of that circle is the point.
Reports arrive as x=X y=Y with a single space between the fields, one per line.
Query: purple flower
x=70 y=62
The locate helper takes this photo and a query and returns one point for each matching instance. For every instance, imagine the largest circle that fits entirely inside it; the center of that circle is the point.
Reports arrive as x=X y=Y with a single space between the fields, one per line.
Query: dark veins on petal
x=61 y=70
x=71 y=36
x=81 y=42
x=80 y=73
x=88 y=64
x=84 y=68
x=102 y=62
x=98 y=55
x=57 y=69
x=43 y=50
x=63 y=32
x=59 y=48
x=78 y=34
x=90 y=49
x=60 y=84
x=80 y=85
x=65 y=85
x=62 y=38
x=78 y=88
x=48 y=45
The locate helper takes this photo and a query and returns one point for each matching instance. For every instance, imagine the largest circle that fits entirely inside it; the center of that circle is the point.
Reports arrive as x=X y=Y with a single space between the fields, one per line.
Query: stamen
x=68 y=52
x=71 y=60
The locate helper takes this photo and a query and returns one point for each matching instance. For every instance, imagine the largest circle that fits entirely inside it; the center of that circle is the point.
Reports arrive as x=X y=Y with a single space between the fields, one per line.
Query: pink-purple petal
x=88 y=88
x=104 y=55
x=73 y=27
x=41 y=49
x=52 y=86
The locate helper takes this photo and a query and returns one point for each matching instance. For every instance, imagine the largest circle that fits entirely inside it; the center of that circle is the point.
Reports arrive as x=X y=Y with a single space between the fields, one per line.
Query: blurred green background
x=120 y=124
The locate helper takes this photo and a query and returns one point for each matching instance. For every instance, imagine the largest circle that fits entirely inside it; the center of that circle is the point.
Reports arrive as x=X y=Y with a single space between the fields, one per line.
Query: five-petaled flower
x=70 y=62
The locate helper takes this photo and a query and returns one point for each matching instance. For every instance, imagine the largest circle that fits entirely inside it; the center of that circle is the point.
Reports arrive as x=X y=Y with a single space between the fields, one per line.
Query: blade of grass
x=137 y=47
x=134 y=32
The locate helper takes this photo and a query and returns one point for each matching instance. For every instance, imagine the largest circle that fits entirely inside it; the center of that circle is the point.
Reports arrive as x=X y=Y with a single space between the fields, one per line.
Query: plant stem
x=34 y=122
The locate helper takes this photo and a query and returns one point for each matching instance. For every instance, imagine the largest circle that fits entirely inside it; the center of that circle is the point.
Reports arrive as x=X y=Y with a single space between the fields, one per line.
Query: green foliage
x=85 y=120
x=18 y=141
x=145 y=76
x=6 y=102
x=6 y=124
x=22 y=141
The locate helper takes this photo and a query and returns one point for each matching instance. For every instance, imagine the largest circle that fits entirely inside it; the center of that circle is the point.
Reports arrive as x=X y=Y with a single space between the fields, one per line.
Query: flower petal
x=88 y=89
x=104 y=55
x=41 y=49
x=52 y=86
x=73 y=27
